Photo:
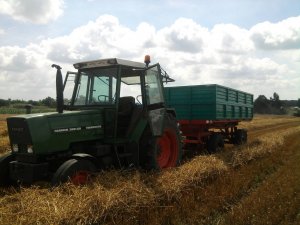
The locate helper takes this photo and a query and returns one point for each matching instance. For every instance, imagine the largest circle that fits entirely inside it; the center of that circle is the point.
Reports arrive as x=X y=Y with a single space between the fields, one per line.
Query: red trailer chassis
x=206 y=132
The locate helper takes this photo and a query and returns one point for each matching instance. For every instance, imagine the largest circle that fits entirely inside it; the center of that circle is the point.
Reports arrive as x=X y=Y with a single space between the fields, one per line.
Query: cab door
x=154 y=97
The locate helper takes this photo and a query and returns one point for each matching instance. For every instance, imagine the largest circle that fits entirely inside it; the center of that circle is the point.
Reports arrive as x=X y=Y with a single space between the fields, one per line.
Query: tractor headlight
x=15 y=148
x=30 y=149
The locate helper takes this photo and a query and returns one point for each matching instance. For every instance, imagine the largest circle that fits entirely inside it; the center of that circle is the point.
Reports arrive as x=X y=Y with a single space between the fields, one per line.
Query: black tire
x=215 y=143
x=77 y=171
x=240 y=137
x=4 y=169
x=165 y=151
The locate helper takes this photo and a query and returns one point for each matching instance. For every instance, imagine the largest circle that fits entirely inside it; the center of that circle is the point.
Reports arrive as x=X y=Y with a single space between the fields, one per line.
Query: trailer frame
x=198 y=132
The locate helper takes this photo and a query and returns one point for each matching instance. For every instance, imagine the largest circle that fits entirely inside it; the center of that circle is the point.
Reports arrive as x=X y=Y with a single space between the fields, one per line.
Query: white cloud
x=231 y=39
x=192 y=54
x=34 y=11
x=282 y=35
x=184 y=35
x=25 y=73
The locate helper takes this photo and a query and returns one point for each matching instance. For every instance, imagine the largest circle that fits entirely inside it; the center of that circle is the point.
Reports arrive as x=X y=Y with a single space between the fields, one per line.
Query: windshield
x=97 y=86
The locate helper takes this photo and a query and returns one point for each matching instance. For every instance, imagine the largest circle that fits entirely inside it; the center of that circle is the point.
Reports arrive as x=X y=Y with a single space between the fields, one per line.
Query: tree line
x=262 y=104
x=273 y=105
x=48 y=102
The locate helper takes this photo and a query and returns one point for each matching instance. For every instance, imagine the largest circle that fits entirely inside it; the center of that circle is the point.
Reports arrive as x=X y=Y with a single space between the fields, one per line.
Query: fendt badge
x=70 y=129
x=17 y=129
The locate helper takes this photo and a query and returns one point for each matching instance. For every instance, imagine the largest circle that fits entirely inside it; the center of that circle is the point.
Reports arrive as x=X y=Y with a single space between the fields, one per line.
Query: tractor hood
x=46 y=133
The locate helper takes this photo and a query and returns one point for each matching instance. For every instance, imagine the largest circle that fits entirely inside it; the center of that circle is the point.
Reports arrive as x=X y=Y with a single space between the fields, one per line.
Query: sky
x=249 y=45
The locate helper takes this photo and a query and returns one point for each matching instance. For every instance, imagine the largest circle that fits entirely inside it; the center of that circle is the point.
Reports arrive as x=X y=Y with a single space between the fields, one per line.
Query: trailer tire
x=77 y=171
x=240 y=137
x=165 y=151
x=4 y=169
x=215 y=143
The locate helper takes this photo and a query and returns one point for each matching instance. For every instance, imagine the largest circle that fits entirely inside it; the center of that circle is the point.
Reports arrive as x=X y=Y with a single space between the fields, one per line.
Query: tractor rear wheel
x=4 y=169
x=215 y=143
x=77 y=171
x=165 y=151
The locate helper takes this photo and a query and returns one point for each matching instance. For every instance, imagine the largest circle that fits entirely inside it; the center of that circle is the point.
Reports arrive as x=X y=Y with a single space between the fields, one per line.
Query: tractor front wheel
x=4 y=169
x=77 y=171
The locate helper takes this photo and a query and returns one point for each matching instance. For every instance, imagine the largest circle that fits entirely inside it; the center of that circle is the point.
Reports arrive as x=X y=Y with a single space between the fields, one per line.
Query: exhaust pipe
x=59 y=89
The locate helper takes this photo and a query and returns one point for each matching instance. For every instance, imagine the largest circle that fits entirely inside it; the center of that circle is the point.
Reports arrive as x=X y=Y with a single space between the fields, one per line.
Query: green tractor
x=110 y=114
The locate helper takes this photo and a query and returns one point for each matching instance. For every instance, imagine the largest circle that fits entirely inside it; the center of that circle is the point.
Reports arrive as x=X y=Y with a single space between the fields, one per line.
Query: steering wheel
x=105 y=97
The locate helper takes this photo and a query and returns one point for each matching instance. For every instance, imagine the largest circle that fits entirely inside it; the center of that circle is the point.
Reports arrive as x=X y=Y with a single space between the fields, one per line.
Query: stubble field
x=258 y=183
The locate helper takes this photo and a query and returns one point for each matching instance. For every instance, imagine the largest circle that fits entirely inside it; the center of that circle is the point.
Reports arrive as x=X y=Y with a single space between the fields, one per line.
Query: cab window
x=154 y=93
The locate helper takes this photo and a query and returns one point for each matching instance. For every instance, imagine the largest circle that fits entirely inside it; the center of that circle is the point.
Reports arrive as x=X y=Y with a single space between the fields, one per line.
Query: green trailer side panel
x=209 y=102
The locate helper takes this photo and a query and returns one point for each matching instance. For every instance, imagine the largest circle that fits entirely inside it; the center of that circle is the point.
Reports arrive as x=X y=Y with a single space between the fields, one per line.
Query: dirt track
x=260 y=131
x=272 y=192
x=275 y=198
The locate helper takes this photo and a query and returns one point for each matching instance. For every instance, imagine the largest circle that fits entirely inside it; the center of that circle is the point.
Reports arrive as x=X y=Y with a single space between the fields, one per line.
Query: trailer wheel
x=77 y=171
x=240 y=137
x=165 y=151
x=215 y=143
x=4 y=169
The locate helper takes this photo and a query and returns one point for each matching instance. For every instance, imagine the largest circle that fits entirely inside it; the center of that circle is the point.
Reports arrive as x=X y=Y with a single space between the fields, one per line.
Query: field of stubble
x=258 y=183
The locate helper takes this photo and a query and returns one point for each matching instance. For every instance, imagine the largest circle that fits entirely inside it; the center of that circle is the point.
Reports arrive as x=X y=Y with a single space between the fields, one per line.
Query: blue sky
x=249 y=45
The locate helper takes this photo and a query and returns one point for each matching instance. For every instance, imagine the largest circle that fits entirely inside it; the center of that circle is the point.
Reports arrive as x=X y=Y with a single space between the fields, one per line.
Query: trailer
x=209 y=114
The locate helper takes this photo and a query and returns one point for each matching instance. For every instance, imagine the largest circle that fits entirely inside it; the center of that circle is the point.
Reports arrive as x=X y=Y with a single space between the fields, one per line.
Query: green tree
x=275 y=101
x=32 y=102
x=276 y=97
x=262 y=105
x=50 y=102
x=4 y=102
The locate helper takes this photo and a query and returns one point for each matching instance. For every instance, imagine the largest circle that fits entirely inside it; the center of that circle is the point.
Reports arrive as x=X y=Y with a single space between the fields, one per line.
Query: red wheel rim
x=168 y=149
x=80 y=177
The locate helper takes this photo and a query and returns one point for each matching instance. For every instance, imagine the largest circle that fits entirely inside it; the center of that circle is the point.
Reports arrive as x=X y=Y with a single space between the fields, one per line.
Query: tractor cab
x=126 y=90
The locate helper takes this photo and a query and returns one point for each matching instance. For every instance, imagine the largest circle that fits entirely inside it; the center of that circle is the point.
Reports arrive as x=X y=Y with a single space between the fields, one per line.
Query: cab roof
x=108 y=62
